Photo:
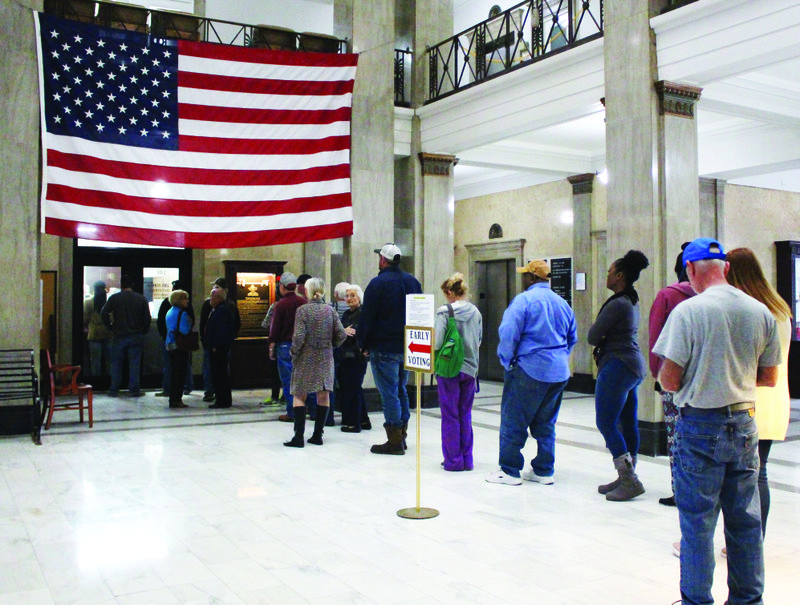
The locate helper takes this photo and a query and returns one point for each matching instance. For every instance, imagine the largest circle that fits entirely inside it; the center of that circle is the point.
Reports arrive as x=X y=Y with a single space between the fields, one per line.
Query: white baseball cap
x=390 y=252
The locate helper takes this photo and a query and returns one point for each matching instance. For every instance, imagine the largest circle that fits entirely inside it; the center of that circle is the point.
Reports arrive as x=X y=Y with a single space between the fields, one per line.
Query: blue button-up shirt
x=538 y=333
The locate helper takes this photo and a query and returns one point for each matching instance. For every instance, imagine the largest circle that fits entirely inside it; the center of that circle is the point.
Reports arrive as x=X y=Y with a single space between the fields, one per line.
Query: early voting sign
x=418 y=352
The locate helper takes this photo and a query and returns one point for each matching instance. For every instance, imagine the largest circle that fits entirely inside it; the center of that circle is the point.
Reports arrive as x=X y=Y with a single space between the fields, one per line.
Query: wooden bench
x=20 y=406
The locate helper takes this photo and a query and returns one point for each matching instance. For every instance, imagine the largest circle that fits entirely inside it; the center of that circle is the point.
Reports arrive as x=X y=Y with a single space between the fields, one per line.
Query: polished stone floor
x=155 y=506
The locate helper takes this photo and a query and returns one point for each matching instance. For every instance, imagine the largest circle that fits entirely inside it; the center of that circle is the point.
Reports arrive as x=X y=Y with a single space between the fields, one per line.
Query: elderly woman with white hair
x=352 y=368
x=317 y=330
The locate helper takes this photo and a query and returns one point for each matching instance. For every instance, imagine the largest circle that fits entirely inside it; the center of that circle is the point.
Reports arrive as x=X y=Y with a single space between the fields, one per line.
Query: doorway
x=495 y=286
x=153 y=271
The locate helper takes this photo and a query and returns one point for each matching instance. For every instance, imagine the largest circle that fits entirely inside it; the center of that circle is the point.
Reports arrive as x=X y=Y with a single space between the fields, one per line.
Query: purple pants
x=455 y=402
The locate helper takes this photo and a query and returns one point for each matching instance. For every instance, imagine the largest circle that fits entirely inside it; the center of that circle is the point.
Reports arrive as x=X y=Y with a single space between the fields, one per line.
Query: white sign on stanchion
x=418 y=354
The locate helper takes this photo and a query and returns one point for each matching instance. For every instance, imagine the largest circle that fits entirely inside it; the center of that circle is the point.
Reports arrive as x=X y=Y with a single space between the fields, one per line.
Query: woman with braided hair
x=621 y=369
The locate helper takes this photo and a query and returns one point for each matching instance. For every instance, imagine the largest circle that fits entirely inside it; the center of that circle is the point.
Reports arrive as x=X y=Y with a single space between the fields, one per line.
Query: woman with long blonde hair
x=772 y=404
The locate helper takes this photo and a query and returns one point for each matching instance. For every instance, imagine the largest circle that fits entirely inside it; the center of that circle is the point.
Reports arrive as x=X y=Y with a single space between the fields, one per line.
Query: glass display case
x=252 y=286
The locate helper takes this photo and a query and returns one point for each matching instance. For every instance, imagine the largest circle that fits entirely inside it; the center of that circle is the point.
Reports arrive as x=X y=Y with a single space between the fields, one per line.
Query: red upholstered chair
x=66 y=393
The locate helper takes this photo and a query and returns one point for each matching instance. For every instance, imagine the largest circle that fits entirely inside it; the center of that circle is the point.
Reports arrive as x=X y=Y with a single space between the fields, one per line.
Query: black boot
x=319 y=425
x=299 y=428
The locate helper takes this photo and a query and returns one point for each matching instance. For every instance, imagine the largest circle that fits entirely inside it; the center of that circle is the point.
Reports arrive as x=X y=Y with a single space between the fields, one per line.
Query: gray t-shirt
x=720 y=338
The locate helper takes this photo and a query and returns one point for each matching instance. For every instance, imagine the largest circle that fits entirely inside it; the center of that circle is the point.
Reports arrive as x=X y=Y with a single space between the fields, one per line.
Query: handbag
x=186 y=342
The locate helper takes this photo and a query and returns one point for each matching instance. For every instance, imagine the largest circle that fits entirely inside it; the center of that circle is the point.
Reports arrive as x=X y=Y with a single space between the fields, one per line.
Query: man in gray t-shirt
x=717 y=347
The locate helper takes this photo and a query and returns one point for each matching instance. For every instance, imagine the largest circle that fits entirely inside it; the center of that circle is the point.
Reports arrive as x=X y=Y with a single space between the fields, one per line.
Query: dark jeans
x=716 y=468
x=221 y=379
x=126 y=347
x=350 y=374
x=528 y=405
x=179 y=363
x=764 y=445
x=166 y=383
x=616 y=408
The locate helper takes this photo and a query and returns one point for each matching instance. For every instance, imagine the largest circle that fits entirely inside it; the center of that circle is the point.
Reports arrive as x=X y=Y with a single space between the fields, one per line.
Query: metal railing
x=521 y=35
x=165 y=24
x=402 y=77
x=673 y=4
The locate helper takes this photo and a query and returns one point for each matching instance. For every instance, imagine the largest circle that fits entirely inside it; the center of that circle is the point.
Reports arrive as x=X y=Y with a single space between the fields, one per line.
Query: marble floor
x=155 y=506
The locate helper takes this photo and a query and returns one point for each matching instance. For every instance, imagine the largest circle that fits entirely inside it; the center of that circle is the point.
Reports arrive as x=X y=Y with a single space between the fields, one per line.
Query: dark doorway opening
x=495 y=287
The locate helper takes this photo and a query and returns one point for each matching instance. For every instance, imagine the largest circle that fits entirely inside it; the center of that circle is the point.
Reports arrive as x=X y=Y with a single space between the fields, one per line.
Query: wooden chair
x=66 y=393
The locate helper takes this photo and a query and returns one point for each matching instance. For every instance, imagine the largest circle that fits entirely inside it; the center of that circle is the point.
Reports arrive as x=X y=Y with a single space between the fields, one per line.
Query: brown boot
x=610 y=487
x=629 y=484
x=394 y=445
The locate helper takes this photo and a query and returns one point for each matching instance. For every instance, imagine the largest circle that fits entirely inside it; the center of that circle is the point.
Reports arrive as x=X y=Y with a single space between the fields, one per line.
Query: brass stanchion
x=417 y=512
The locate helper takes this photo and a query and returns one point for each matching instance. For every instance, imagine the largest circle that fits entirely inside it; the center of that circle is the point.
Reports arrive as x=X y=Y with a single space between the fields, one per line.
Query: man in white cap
x=381 y=332
x=537 y=334
x=717 y=348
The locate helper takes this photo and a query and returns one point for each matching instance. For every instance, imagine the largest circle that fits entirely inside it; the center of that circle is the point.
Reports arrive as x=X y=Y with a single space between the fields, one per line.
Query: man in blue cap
x=717 y=347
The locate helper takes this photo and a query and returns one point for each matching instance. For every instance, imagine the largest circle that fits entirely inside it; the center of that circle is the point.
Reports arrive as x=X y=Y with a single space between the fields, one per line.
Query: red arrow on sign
x=416 y=347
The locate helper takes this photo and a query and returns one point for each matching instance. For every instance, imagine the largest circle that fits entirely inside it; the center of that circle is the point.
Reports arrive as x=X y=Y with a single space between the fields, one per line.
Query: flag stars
x=143 y=132
x=55 y=54
x=54 y=33
x=101 y=127
x=133 y=121
x=78 y=39
x=65 y=47
x=122 y=130
x=165 y=134
x=57 y=119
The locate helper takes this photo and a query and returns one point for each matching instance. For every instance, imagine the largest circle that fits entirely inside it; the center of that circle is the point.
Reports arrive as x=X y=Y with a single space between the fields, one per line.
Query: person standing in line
x=666 y=300
x=274 y=398
x=620 y=371
x=97 y=334
x=127 y=315
x=317 y=330
x=717 y=348
x=177 y=320
x=537 y=335
x=205 y=311
x=161 y=324
x=220 y=333
x=352 y=368
x=457 y=393
x=773 y=405
x=280 y=337
x=381 y=335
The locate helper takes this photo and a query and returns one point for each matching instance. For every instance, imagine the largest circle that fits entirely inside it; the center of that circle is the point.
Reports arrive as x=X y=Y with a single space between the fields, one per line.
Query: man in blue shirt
x=537 y=334
x=381 y=332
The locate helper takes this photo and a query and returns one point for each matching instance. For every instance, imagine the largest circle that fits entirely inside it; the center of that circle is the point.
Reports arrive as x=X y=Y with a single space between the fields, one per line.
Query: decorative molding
x=677 y=99
x=582 y=183
x=436 y=164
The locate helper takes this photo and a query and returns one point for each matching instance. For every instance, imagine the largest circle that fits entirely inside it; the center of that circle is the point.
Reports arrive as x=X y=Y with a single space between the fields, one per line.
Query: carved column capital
x=582 y=183
x=436 y=164
x=677 y=99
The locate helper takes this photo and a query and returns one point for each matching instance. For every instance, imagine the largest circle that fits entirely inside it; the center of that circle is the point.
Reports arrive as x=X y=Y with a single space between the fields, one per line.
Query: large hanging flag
x=165 y=142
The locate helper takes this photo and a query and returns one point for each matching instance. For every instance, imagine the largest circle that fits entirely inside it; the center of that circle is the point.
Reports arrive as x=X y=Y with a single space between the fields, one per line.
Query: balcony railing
x=521 y=35
x=673 y=4
x=167 y=24
x=402 y=77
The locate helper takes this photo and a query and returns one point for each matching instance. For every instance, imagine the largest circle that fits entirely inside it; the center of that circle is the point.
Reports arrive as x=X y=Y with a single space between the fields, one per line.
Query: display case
x=787 y=262
x=252 y=286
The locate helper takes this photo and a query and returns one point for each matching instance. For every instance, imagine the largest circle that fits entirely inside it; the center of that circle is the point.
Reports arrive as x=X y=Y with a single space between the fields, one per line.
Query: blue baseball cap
x=703 y=248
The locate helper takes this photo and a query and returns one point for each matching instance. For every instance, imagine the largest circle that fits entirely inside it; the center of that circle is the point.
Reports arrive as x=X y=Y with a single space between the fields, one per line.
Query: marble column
x=712 y=208
x=582 y=361
x=19 y=176
x=368 y=25
x=436 y=247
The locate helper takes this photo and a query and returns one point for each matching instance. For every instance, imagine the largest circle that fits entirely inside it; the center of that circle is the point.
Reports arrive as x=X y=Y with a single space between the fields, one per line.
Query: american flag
x=191 y=144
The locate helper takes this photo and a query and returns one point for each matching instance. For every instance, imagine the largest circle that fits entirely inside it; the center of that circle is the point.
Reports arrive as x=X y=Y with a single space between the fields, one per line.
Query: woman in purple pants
x=456 y=394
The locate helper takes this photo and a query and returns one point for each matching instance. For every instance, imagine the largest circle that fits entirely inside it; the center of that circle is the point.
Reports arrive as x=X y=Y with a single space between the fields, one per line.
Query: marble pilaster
x=437 y=226
x=582 y=362
x=19 y=175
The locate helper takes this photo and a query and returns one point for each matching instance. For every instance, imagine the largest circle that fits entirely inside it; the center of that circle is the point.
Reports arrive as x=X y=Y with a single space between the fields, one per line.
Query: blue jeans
x=390 y=379
x=716 y=467
x=616 y=407
x=128 y=346
x=188 y=384
x=284 y=356
x=528 y=405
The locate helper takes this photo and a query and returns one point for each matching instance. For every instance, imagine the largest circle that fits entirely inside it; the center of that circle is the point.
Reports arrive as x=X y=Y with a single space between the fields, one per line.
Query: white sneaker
x=499 y=476
x=529 y=475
